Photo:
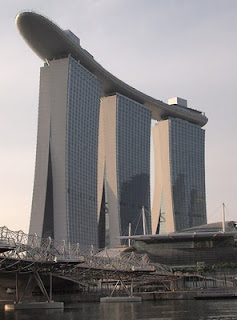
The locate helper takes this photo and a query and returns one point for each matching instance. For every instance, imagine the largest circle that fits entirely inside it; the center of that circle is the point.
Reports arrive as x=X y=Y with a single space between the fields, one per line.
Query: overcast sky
x=165 y=48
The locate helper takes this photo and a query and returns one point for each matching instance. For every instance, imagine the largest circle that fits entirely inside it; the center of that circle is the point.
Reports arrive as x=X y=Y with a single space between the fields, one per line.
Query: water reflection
x=150 y=310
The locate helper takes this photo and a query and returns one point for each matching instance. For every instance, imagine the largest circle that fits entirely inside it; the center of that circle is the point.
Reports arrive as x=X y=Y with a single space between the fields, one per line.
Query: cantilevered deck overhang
x=50 y=42
x=179 y=236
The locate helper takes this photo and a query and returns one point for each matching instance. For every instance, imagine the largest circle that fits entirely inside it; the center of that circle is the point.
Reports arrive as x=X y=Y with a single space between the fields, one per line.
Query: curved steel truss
x=30 y=254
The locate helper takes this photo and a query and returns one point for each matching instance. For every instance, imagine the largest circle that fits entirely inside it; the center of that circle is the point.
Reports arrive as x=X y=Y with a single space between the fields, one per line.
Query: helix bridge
x=35 y=257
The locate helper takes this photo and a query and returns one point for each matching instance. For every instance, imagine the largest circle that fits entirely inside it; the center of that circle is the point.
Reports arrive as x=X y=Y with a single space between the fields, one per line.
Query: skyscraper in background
x=92 y=173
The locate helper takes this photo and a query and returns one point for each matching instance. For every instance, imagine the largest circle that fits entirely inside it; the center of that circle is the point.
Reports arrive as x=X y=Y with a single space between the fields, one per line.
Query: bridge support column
x=17 y=288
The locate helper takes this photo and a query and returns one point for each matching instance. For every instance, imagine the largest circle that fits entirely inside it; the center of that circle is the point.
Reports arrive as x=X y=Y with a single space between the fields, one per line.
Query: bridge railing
x=34 y=248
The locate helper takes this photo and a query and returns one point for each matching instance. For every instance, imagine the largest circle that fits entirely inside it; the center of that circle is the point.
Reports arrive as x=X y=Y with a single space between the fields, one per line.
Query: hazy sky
x=165 y=48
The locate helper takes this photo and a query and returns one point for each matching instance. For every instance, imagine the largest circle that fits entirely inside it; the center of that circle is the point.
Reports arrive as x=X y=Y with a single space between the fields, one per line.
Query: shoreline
x=71 y=300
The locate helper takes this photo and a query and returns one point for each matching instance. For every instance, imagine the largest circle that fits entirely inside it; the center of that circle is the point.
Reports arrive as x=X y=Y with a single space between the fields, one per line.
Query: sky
x=164 y=48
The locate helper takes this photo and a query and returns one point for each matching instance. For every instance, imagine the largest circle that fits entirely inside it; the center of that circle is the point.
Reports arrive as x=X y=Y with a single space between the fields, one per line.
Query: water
x=149 y=310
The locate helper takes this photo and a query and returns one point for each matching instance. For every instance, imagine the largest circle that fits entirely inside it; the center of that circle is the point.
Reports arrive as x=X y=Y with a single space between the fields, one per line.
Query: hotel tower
x=92 y=172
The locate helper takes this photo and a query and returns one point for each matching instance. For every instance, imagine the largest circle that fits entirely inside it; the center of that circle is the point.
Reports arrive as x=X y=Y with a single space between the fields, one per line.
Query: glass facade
x=133 y=123
x=187 y=167
x=83 y=103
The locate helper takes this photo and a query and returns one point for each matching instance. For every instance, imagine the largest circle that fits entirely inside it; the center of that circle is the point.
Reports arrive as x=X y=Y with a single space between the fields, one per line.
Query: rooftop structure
x=206 y=244
x=50 y=42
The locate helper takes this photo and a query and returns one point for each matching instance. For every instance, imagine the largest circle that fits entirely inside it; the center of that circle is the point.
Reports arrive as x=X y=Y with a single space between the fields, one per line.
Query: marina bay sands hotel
x=92 y=171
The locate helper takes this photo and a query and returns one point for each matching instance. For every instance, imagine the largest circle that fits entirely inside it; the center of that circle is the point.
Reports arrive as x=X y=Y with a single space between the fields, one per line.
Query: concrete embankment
x=71 y=299
x=169 y=295
x=95 y=297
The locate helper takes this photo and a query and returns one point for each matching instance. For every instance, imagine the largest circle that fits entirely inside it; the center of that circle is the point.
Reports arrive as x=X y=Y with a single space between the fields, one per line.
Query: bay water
x=162 y=310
